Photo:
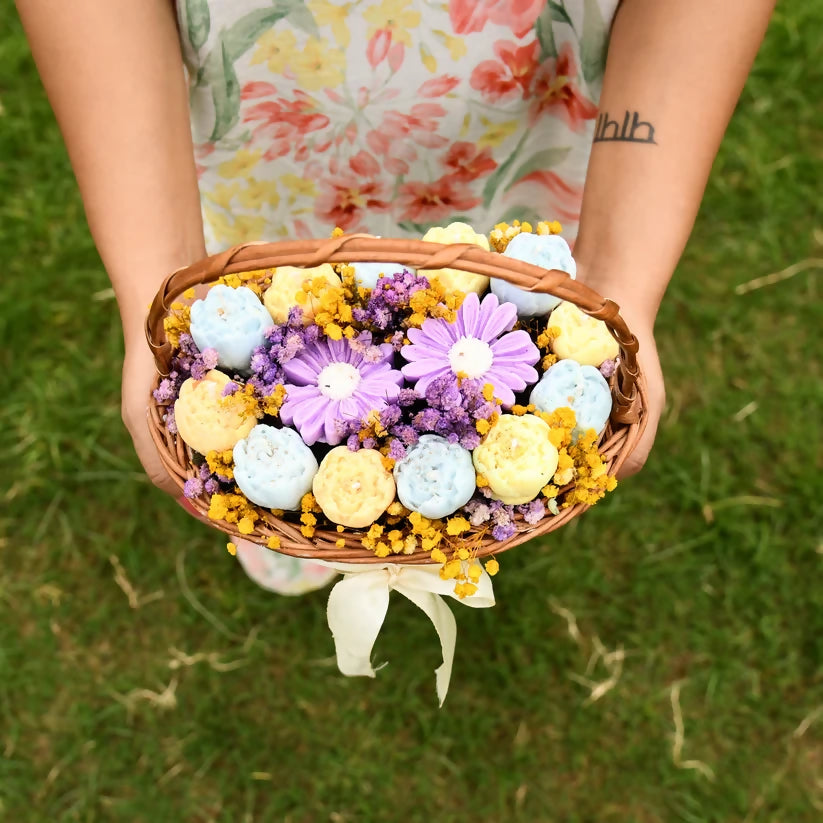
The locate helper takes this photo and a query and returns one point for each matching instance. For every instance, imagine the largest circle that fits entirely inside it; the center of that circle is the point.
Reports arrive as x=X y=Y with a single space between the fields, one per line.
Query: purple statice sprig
x=188 y=361
x=607 y=368
x=493 y=512
x=389 y=302
x=204 y=481
x=283 y=343
x=363 y=343
x=453 y=408
x=450 y=407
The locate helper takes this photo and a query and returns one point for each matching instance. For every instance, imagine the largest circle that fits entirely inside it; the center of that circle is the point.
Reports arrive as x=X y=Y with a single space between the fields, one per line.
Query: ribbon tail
x=445 y=625
x=356 y=610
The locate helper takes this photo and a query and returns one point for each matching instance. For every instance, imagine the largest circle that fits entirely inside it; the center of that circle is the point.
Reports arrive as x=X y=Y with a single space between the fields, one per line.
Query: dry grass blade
x=779 y=276
x=135 y=600
x=680 y=739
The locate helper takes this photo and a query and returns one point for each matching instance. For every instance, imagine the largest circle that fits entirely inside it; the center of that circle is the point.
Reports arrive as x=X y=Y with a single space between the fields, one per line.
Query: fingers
x=656 y=400
x=138 y=377
x=138 y=427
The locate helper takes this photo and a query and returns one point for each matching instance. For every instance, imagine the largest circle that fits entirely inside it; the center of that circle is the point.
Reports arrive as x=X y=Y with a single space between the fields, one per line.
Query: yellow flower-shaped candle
x=517 y=459
x=205 y=419
x=454 y=279
x=581 y=337
x=287 y=282
x=353 y=488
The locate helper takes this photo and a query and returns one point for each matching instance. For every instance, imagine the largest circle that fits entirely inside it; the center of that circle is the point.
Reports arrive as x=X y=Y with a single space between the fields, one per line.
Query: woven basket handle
x=361 y=248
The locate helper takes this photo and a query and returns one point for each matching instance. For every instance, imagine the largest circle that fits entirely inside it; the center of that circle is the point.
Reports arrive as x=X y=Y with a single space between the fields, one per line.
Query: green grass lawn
x=696 y=588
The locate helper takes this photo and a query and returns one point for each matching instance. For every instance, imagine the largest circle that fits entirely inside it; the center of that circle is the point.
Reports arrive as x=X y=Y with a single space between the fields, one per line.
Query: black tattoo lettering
x=631 y=130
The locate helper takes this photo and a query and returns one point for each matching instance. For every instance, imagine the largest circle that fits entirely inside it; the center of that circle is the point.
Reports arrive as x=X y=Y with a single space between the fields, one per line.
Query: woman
x=388 y=116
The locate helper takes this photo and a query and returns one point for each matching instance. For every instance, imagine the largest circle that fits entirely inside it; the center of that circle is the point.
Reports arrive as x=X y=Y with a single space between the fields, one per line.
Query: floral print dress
x=390 y=116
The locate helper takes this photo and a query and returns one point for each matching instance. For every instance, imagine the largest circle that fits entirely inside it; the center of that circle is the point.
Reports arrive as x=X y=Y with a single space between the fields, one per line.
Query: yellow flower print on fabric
x=496 y=133
x=334 y=16
x=455 y=45
x=395 y=16
x=276 y=49
x=230 y=232
x=241 y=164
x=222 y=194
x=298 y=187
x=258 y=193
x=318 y=66
x=427 y=58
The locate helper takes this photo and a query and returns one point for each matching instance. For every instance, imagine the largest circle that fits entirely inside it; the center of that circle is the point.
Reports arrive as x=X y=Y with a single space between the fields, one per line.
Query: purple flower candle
x=328 y=381
x=479 y=345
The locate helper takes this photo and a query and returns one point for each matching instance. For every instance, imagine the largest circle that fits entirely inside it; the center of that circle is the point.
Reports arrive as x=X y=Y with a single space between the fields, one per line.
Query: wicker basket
x=628 y=388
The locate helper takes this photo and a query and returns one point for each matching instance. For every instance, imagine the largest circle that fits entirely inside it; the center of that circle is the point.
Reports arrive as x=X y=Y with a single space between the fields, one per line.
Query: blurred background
x=660 y=659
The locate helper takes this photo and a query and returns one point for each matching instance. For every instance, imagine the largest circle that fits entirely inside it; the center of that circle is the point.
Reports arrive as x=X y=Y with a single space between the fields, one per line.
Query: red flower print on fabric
x=465 y=163
x=436 y=201
x=509 y=76
x=472 y=15
x=556 y=92
x=551 y=194
x=347 y=194
x=285 y=123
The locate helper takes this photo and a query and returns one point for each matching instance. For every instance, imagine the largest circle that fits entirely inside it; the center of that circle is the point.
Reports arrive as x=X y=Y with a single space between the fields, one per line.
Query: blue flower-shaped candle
x=274 y=467
x=580 y=388
x=233 y=322
x=549 y=251
x=435 y=477
x=478 y=345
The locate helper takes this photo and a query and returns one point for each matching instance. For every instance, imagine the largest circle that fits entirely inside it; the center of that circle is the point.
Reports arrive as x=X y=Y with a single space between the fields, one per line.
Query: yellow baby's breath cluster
x=177 y=322
x=245 y=403
x=271 y=403
x=234 y=508
x=394 y=541
x=334 y=312
x=561 y=423
x=443 y=540
x=483 y=426
x=592 y=480
x=462 y=565
x=258 y=280
x=221 y=462
x=434 y=301
x=502 y=234
x=308 y=514
x=373 y=429
x=544 y=342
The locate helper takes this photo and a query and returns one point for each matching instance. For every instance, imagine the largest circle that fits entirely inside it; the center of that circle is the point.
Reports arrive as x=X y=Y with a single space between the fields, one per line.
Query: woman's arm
x=113 y=72
x=673 y=75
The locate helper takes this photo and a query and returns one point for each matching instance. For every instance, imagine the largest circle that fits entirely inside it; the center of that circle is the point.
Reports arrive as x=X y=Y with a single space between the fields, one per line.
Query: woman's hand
x=139 y=372
x=639 y=316
x=656 y=400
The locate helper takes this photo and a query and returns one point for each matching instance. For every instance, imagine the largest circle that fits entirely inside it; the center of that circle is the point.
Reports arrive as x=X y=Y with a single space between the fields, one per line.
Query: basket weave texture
x=626 y=424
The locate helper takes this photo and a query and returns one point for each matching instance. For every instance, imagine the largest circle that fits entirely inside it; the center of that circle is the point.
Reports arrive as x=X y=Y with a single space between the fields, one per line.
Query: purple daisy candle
x=479 y=345
x=328 y=381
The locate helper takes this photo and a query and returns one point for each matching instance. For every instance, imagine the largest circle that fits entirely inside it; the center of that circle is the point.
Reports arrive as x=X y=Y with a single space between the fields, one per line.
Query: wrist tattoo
x=631 y=130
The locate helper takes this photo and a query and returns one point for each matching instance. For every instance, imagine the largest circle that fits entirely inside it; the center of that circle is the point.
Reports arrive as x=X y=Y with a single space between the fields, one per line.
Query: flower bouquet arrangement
x=395 y=407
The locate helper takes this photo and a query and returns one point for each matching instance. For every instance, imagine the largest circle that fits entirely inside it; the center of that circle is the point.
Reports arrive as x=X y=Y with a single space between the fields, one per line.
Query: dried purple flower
x=192 y=488
x=533 y=512
x=607 y=368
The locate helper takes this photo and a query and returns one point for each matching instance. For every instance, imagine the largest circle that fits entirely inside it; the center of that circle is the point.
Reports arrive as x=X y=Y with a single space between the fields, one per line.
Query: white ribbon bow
x=359 y=602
